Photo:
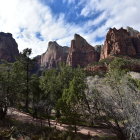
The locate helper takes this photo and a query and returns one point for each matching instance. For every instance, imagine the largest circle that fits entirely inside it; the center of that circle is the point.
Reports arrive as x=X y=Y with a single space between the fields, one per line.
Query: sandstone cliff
x=8 y=47
x=135 y=36
x=54 y=55
x=81 y=53
x=121 y=42
x=118 y=42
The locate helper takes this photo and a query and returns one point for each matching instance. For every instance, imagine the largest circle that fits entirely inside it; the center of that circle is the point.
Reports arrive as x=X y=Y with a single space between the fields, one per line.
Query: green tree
x=35 y=93
x=118 y=98
x=19 y=80
x=50 y=85
x=27 y=64
x=65 y=75
x=73 y=97
x=117 y=69
x=6 y=88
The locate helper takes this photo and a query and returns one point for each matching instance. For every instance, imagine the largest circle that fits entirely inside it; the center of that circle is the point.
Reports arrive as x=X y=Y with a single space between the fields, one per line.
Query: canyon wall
x=8 y=47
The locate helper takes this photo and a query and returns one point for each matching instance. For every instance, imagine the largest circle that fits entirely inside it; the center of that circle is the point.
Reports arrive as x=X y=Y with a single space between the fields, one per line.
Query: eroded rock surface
x=8 y=47
x=118 y=42
x=54 y=55
x=81 y=52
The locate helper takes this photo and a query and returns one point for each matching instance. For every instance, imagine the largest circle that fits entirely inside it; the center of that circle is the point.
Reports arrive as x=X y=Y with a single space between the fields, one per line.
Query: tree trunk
x=3 y=112
x=49 y=122
x=75 y=129
x=27 y=88
x=41 y=123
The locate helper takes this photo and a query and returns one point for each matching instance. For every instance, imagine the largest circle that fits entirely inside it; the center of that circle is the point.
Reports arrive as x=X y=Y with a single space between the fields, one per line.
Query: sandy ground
x=16 y=114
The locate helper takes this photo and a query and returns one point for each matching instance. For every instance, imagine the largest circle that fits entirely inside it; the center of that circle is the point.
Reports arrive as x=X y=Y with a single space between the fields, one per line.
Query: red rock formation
x=54 y=55
x=81 y=53
x=99 y=68
x=8 y=47
x=135 y=35
x=118 y=42
x=124 y=42
x=103 y=68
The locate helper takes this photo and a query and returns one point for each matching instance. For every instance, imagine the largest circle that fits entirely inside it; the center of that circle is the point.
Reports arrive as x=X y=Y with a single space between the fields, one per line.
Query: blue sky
x=34 y=23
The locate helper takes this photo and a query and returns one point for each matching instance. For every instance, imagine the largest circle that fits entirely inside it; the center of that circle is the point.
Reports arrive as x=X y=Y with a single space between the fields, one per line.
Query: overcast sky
x=35 y=22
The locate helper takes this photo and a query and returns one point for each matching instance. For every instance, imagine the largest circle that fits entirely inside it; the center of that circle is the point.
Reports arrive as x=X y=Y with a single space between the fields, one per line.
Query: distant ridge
x=118 y=42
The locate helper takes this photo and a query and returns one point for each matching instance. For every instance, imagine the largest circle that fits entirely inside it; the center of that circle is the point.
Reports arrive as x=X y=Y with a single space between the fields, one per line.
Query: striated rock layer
x=8 y=47
x=81 y=53
x=54 y=55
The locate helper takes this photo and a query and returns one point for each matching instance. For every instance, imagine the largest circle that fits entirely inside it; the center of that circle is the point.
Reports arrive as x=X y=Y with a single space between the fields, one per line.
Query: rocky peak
x=118 y=42
x=2 y=34
x=98 y=48
x=54 y=55
x=132 y=32
x=79 y=38
x=81 y=53
x=8 y=47
x=53 y=45
x=80 y=43
x=135 y=36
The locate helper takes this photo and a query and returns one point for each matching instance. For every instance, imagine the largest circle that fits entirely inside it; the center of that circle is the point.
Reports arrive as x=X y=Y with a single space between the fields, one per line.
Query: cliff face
x=118 y=42
x=8 y=47
x=135 y=36
x=81 y=53
x=37 y=64
x=54 y=55
x=121 y=42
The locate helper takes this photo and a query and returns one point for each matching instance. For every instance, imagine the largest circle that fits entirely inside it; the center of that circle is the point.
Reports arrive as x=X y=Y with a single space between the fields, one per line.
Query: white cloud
x=31 y=17
x=119 y=13
x=69 y=1
x=98 y=20
x=24 y=18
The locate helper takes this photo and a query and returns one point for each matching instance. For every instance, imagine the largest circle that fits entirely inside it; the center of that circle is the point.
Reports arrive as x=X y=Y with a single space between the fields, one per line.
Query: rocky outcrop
x=135 y=36
x=125 y=42
x=54 y=55
x=132 y=32
x=118 y=42
x=98 y=48
x=37 y=64
x=8 y=47
x=81 y=53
